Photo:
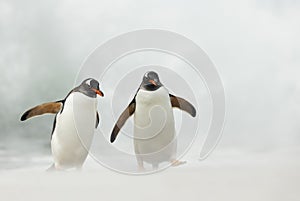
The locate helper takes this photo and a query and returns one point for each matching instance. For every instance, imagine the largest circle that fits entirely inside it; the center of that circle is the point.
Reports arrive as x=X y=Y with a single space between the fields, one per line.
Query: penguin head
x=89 y=87
x=151 y=81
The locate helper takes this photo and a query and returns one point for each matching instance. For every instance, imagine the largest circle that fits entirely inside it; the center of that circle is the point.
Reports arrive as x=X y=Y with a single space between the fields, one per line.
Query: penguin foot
x=79 y=168
x=54 y=168
x=176 y=163
x=140 y=164
x=155 y=166
x=141 y=169
x=51 y=168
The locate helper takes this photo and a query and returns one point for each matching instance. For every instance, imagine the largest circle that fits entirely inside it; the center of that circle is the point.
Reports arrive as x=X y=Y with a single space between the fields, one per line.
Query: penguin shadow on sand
x=153 y=145
x=76 y=117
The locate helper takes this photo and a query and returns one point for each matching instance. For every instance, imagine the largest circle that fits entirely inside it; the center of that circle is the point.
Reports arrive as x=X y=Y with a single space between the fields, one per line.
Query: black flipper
x=97 y=119
x=122 y=119
x=183 y=105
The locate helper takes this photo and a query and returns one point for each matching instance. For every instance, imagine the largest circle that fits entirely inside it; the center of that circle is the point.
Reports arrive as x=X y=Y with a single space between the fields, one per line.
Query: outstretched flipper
x=122 y=119
x=50 y=108
x=183 y=105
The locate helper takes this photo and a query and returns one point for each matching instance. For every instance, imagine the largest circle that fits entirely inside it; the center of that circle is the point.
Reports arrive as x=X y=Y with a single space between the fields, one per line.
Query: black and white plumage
x=154 y=126
x=74 y=124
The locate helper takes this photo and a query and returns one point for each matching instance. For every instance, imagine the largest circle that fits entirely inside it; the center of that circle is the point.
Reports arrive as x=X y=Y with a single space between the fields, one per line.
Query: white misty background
x=255 y=46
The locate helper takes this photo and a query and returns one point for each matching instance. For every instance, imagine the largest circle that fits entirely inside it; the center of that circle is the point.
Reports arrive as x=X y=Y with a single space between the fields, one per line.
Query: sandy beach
x=265 y=177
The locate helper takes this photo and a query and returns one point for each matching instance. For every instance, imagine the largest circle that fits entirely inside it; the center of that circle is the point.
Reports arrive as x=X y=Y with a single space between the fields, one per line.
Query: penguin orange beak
x=153 y=82
x=100 y=93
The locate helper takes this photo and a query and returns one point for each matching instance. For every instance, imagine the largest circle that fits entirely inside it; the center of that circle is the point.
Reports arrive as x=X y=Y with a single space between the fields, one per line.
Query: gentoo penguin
x=154 y=129
x=74 y=124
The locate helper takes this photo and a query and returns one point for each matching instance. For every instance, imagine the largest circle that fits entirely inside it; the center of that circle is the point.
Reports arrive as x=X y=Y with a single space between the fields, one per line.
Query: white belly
x=73 y=135
x=154 y=130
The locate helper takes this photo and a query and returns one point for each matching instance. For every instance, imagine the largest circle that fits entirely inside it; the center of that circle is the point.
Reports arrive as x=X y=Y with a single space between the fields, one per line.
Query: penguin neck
x=81 y=100
x=152 y=96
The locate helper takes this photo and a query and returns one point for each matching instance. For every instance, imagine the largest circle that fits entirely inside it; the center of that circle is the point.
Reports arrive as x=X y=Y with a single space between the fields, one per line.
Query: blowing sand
x=238 y=177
